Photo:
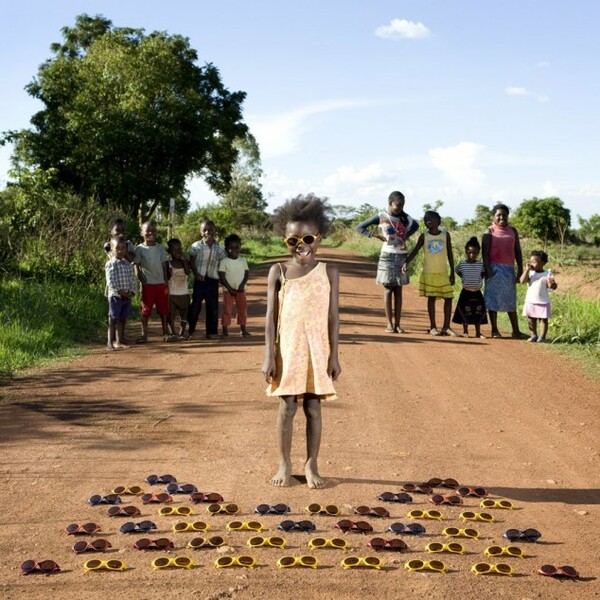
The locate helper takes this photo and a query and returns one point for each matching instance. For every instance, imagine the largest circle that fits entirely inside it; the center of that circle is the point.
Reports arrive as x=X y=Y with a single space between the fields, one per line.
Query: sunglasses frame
x=38 y=567
x=478 y=492
x=190 y=526
x=298 y=561
x=425 y=565
x=297 y=526
x=330 y=510
x=160 y=498
x=445 y=547
x=337 y=543
x=408 y=529
x=104 y=564
x=172 y=562
x=461 y=532
x=425 y=514
x=134 y=490
x=167 y=511
x=534 y=535
x=184 y=488
x=206 y=543
x=376 y=511
x=163 y=479
x=415 y=488
x=401 y=497
x=140 y=527
x=448 y=482
x=81 y=528
x=212 y=497
x=148 y=544
x=358 y=526
x=446 y=500
x=91 y=546
x=483 y=517
x=244 y=526
x=499 y=568
x=559 y=571
x=395 y=545
x=370 y=562
x=272 y=509
x=301 y=240
x=267 y=541
x=236 y=561
x=506 y=504
x=227 y=509
x=104 y=499
x=504 y=551
x=123 y=511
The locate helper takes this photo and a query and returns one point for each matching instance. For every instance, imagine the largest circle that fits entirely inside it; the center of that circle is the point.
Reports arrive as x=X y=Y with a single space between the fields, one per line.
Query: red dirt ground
x=502 y=414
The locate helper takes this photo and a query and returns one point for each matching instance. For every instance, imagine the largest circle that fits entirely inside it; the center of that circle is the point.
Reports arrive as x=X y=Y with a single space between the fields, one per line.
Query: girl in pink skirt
x=537 y=299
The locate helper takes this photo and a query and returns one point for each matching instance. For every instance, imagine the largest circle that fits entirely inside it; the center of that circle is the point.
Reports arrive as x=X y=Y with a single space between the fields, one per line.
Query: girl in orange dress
x=301 y=331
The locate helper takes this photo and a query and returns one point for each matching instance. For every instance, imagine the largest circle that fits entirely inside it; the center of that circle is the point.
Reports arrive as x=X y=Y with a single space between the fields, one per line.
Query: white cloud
x=347 y=174
x=457 y=163
x=521 y=91
x=280 y=133
x=401 y=28
x=542 y=64
x=549 y=190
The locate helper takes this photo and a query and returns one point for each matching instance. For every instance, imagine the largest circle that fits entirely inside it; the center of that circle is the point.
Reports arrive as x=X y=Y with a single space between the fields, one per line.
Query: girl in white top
x=179 y=296
x=537 y=299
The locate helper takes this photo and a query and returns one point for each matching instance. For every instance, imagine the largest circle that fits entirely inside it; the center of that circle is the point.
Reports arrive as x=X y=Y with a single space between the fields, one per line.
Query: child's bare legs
x=543 y=330
x=163 y=322
x=431 y=311
x=387 y=303
x=398 y=308
x=285 y=420
x=446 y=330
x=314 y=424
x=144 y=322
x=111 y=334
x=532 y=323
x=120 y=334
x=514 y=322
x=182 y=330
x=494 y=323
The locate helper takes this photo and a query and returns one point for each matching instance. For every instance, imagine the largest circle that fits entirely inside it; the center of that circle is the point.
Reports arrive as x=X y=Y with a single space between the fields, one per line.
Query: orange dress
x=302 y=347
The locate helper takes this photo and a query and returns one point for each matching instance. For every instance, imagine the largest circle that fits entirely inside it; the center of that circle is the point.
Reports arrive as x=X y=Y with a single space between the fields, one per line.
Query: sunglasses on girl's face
x=293 y=241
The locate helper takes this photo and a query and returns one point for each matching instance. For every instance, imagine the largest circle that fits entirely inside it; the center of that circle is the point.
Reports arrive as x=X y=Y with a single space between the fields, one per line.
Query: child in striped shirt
x=470 y=309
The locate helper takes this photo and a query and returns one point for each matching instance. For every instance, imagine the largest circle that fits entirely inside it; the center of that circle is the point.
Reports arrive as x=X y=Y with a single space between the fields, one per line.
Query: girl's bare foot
x=313 y=479
x=283 y=477
x=121 y=345
x=110 y=347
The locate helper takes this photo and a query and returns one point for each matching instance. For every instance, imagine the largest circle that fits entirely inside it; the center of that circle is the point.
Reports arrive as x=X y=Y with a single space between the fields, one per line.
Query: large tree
x=544 y=218
x=128 y=116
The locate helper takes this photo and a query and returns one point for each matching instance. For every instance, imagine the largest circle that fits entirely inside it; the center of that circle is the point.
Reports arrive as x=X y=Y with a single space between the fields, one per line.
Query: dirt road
x=502 y=414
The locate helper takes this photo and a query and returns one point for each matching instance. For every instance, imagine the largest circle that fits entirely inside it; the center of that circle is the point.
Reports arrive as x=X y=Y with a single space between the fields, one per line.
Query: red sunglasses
x=44 y=566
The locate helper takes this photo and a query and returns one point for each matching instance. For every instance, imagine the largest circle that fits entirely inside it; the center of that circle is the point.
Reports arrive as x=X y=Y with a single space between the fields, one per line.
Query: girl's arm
x=518 y=254
x=333 y=366
x=486 y=241
x=363 y=228
x=524 y=277
x=269 y=367
x=450 y=257
x=413 y=252
x=242 y=286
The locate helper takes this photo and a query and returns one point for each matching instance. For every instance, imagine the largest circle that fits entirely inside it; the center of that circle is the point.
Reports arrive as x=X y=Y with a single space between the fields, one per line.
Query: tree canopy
x=544 y=218
x=128 y=117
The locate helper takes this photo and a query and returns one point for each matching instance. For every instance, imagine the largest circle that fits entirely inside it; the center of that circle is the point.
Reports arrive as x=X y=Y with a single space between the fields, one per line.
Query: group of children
x=164 y=283
x=394 y=227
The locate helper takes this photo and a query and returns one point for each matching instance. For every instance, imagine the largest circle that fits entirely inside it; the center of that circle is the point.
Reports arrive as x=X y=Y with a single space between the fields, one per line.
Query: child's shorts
x=155 y=293
x=119 y=308
x=179 y=304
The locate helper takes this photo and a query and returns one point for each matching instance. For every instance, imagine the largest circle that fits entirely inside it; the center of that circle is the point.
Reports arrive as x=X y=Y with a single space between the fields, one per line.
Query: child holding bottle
x=435 y=282
x=537 y=299
x=301 y=331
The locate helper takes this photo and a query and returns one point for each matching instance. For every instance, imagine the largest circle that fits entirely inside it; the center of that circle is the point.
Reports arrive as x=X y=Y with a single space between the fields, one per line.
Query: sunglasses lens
x=437 y=499
x=90 y=527
x=451 y=483
x=72 y=528
x=95 y=499
x=380 y=511
x=183 y=561
x=415 y=564
x=246 y=561
x=503 y=568
x=263 y=509
x=387 y=497
x=47 y=566
x=468 y=515
x=514 y=551
x=28 y=566
x=548 y=569
x=277 y=541
x=471 y=533
x=256 y=541
x=338 y=543
x=362 y=510
x=306 y=525
x=146 y=525
x=142 y=544
x=235 y=525
x=435 y=547
x=437 y=565
x=287 y=525
x=454 y=499
x=281 y=508
x=196 y=543
x=532 y=535
x=161 y=562
x=216 y=540
x=350 y=561
x=485 y=517
x=569 y=571
x=287 y=561
x=224 y=561
x=415 y=528
x=480 y=491
x=131 y=510
x=364 y=527
x=313 y=508
x=481 y=567
x=292 y=241
x=254 y=525
x=172 y=488
x=435 y=514
x=378 y=543
x=344 y=525
x=180 y=526
x=232 y=508
x=184 y=510
x=92 y=564
x=455 y=547
x=152 y=479
x=434 y=482
x=415 y=514
x=127 y=527
x=113 y=511
x=451 y=531
x=119 y=489
x=80 y=547
x=494 y=551
x=200 y=526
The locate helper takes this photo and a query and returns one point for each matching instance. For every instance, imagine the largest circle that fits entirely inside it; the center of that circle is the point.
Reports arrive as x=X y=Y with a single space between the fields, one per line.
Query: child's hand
x=333 y=368
x=404 y=268
x=269 y=369
x=241 y=288
x=199 y=278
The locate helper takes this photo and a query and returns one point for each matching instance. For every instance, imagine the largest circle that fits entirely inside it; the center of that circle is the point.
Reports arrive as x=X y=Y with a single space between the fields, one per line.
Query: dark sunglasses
x=439 y=499
x=158 y=544
x=467 y=491
x=94 y=546
x=417 y=489
x=212 y=497
x=376 y=511
x=437 y=482
x=381 y=544
x=346 y=525
x=78 y=528
x=528 y=535
x=401 y=497
x=130 y=526
x=297 y=526
x=411 y=528
x=157 y=498
x=185 y=488
x=154 y=479
x=123 y=511
x=108 y=499
x=553 y=571
x=44 y=566
x=307 y=239
x=275 y=509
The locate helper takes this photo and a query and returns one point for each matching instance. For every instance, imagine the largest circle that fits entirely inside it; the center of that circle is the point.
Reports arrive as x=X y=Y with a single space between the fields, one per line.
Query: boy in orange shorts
x=151 y=262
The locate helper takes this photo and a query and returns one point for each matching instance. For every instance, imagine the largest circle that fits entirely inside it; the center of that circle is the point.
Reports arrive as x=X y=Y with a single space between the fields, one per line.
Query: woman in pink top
x=501 y=249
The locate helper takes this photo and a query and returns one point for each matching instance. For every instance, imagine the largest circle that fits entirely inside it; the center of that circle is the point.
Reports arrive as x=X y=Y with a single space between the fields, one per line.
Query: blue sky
x=468 y=102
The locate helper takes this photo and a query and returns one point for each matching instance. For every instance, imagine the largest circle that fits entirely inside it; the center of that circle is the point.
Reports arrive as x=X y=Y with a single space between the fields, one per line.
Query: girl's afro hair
x=304 y=209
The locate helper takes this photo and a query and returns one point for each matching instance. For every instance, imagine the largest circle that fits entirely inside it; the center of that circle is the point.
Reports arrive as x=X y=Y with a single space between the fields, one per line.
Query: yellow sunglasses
x=425 y=514
x=134 y=490
x=258 y=541
x=297 y=561
x=180 y=562
x=353 y=562
x=318 y=509
x=244 y=526
x=229 y=509
x=325 y=543
x=293 y=241
x=164 y=511
x=425 y=565
x=453 y=547
x=195 y=526
x=213 y=542
x=496 y=504
x=110 y=565
x=456 y=532
x=235 y=561
x=502 y=550
x=483 y=568
x=469 y=515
